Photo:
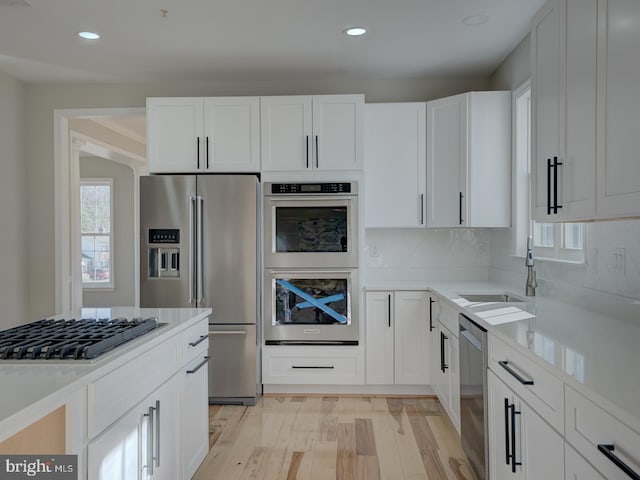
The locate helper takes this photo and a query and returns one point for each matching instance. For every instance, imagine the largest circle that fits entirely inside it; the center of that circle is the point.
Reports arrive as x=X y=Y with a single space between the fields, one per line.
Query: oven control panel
x=312 y=188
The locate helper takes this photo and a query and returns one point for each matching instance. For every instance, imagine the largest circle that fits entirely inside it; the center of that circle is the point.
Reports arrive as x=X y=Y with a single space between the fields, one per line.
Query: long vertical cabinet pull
x=150 y=440
x=192 y=247
x=549 y=167
x=422 y=209
x=556 y=164
x=157 y=432
x=200 y=241
x=460 y=208
x=389 y=311
x=198 y=151
x=431 y=302
x=307 y=151
x=207 y=145
x=514 y=463
x=507 y=449
x=317 y=154
x=443 y=365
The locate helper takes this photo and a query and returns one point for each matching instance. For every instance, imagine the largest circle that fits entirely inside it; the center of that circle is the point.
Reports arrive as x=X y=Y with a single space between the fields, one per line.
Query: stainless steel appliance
x=310 y=225
x=70 y=339
x=199 y=247
x=473 y=396
x=314 y=307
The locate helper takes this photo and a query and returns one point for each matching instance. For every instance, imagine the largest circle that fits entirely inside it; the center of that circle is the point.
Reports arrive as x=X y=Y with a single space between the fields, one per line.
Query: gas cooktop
x=61 y=339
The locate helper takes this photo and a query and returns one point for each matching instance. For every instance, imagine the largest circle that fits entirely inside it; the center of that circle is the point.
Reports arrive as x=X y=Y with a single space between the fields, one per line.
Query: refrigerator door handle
x=200 y=242
x=192 y=248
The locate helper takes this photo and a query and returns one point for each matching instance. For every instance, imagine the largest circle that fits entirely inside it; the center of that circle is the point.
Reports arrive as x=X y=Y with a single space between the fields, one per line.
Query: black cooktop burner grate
x=70 y=339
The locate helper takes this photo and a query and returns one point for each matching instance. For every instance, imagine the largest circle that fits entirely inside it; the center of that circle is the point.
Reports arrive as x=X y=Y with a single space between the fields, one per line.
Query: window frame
x=95 y=182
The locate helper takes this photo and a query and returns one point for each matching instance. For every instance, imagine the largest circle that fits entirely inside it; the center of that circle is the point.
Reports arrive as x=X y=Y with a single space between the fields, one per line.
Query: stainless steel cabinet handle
x=149 y=464
x=157 y=418
x=607 y=450
x=192 y=248
x=200 y=365
x=229 y=332
x=504 y=364
x=315 y=367
x=199 y=341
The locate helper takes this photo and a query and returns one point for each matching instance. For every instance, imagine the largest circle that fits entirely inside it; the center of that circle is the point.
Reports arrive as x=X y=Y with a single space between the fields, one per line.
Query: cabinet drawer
x=448 y=317
x=194 y=339
x=588 y=426
x=544 y=395
x=114 y=394
x=330 y=366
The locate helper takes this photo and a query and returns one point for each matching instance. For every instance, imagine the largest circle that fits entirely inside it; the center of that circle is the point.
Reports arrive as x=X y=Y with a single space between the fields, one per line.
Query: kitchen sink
x=493 y=297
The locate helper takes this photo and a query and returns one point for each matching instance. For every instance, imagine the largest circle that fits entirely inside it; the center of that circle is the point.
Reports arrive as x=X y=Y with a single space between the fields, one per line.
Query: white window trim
x=108 y=286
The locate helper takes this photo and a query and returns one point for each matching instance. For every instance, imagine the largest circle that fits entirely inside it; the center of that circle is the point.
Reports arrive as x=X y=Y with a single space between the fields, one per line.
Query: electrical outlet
x=618 y=260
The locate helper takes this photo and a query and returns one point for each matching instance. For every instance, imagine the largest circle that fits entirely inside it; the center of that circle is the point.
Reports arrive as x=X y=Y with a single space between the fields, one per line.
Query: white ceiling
x=244 y=40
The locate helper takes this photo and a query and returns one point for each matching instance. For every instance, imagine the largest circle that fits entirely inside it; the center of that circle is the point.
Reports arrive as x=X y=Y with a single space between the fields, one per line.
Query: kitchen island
x=98 y=395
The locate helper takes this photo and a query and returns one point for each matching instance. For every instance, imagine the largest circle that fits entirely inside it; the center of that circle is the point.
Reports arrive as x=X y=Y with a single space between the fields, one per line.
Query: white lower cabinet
x=577 y=468
x=446 y=362
x=142 y=444
x=397 y=338
x=156 y=432
x=521 y=443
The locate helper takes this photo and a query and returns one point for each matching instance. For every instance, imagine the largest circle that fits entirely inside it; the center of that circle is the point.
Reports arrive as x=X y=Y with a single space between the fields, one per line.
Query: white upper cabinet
x=564 y=117
x=585 y=137
x=395 y=165
x=469 y=160
x=307 y=133
x=618 y=104
x=203 y=134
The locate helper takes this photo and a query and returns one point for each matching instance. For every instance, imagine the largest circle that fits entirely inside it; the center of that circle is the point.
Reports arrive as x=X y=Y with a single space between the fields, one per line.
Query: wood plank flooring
x=334 y=437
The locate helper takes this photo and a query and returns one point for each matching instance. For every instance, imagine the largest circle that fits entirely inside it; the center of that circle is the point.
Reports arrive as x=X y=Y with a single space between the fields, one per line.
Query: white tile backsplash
x=416 y=255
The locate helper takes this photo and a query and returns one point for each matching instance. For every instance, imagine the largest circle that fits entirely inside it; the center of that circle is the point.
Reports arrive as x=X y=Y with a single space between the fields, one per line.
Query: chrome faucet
x=531 y=273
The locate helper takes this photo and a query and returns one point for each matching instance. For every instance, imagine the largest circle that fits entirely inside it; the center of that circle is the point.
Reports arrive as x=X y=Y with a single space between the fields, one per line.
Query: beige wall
x=14 y=255
x=515 y=69
x=42 y=99
x=122 y=196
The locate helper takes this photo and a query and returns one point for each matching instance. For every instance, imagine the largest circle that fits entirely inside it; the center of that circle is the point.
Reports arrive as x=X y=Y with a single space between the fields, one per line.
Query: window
x=560 y=241
x=96 y=228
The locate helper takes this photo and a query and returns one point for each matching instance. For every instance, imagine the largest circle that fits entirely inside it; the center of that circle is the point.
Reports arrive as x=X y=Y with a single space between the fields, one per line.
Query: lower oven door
x=311 y=307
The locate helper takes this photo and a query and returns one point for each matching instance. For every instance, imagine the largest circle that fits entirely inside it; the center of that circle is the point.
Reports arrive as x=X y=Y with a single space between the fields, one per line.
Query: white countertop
x=595 y=353
x=33 y=388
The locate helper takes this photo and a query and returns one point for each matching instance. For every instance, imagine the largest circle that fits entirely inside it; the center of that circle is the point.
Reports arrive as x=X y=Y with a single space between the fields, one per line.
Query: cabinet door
x=577 y=468
x=174 y=135
x=194 y=415
x=337 y=132
x=232 y=134
x=564 y=109
x=117 y=453
x=518 y=434
x=446 y=161
x=618 y=187
x=379 y=325
x=411 y=338
x=395 y=157
x=165 y=430
x=453 y=357
x=286 y=133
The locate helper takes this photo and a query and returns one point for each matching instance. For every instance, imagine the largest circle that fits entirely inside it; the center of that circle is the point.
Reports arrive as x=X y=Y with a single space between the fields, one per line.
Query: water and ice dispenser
x=164 y=253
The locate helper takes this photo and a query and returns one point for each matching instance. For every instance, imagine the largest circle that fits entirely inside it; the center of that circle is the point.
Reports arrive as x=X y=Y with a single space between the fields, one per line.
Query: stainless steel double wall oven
x=311 y=263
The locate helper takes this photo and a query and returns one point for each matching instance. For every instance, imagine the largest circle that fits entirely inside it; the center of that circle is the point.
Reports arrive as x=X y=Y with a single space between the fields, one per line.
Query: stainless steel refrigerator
x=199 y=248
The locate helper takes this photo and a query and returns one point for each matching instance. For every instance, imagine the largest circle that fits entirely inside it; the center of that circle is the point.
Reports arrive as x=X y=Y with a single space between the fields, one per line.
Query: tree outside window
x=97 y=233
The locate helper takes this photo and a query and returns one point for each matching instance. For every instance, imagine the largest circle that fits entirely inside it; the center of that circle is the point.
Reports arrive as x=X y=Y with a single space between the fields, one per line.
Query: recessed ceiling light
x=475 y=20
x=355 y=31
x=89 y=35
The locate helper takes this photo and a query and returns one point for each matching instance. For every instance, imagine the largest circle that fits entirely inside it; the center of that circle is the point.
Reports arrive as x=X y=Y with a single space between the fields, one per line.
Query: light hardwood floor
x=334 y=437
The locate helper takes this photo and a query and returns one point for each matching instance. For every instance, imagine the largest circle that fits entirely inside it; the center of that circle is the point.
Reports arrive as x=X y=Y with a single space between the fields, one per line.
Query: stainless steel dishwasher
x=473 y=395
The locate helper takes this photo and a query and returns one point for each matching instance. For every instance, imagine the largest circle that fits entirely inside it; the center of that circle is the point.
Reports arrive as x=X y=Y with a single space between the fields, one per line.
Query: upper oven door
x=309 y=231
